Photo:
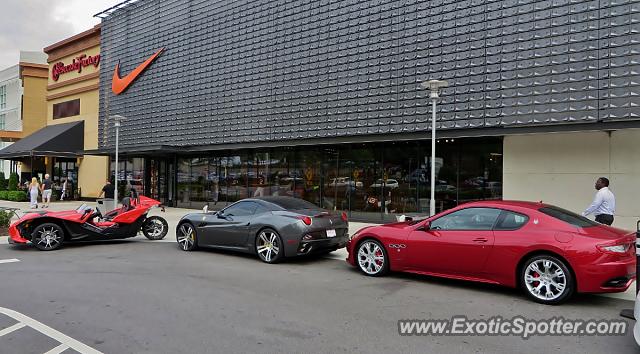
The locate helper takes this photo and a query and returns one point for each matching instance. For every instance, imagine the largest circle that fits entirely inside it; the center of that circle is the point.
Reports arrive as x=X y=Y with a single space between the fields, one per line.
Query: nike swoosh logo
x=119 y=85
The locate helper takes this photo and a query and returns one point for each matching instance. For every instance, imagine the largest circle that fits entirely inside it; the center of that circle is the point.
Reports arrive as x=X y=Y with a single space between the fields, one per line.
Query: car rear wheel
x=186 y=237
x=269 y=246
x=547 y=280
x=155 y=228
x=372 y=258
x=47 y=237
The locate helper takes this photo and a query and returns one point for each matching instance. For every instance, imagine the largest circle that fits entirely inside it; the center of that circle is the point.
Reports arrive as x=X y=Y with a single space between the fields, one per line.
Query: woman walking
x=34 y=189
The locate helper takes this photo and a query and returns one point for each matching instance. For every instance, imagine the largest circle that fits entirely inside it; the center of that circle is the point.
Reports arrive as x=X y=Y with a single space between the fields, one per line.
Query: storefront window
x=131 y=175
x=65 y=170
x=372 y=181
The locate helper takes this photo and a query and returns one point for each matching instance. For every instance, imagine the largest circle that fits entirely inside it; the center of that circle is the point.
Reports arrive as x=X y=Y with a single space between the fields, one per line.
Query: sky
x=34 y=24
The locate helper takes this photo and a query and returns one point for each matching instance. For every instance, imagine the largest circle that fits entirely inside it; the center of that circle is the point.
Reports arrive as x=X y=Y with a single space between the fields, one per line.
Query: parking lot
x=139 y=296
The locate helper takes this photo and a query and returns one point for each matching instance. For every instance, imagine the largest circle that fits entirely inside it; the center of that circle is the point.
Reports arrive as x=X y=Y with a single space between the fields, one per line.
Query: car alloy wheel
x=186 y=237
x=48 y=237
x=372 y=258
x=268 y=246
x=155 y=228
x=547 y=280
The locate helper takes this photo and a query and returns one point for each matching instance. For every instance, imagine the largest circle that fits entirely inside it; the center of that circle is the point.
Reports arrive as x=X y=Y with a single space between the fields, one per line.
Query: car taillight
x=306 y=220
x=615 y=249
x=344 y=217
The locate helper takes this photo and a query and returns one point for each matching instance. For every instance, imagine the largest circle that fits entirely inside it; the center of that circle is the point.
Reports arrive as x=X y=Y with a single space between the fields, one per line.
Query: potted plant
x=5 y=221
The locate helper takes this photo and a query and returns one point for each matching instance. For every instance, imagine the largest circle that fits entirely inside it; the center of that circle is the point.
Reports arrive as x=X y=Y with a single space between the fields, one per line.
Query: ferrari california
x=271 y=227
x=548 y=252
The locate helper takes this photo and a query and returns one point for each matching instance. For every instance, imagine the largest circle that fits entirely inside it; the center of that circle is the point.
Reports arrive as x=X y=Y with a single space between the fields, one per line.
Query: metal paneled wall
x=248 y=71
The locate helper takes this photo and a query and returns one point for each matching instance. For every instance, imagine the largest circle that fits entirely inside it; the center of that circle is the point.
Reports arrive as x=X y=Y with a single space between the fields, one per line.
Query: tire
x=47 y=237
x=155 y=228
x=269 y=246
x=186 y=237
x=372 y=258
x=547 y=280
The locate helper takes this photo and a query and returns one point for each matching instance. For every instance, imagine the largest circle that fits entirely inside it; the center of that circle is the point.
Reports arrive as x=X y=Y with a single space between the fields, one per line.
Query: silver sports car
x=271 y=227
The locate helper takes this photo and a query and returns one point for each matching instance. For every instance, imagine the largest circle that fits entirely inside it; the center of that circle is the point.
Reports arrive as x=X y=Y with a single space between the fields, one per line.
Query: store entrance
x=160 y=181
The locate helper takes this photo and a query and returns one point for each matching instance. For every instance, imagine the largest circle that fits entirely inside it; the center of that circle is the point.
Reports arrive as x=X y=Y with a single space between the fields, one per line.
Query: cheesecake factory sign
x=78 y=63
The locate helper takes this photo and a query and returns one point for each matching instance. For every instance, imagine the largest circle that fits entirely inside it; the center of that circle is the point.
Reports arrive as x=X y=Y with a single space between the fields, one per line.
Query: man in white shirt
x=604 y=204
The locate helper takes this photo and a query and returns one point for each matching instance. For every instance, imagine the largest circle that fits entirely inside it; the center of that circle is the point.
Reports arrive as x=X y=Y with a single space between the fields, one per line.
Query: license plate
x=331 y=233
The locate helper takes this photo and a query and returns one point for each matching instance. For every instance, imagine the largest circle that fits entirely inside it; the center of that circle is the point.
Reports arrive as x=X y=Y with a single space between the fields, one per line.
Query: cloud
x=35 y=24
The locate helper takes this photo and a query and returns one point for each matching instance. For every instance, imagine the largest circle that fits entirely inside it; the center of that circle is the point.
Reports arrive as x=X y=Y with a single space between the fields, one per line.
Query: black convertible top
x=289 y=203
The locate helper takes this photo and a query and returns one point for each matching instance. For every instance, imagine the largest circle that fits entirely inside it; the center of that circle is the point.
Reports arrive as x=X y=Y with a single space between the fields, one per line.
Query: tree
x=13 y=182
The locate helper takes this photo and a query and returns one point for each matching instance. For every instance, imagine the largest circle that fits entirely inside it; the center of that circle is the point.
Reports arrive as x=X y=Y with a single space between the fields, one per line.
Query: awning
x=57 y=140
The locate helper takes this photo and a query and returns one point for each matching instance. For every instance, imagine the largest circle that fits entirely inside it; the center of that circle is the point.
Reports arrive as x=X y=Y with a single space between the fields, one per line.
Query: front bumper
x=319 y=245
x=14 y=235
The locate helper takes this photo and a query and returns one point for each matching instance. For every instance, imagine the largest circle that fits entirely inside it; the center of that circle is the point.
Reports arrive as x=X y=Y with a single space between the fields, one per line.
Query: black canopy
x=58 y=140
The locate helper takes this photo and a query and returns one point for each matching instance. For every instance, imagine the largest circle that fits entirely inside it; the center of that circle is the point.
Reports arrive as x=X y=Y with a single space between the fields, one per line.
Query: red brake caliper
x=379 y=254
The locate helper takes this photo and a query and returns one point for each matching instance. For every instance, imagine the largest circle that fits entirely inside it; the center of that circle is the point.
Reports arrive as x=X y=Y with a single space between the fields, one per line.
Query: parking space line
x=12 y=260
x=59 y=349
x=10 y=329
x=48 y=331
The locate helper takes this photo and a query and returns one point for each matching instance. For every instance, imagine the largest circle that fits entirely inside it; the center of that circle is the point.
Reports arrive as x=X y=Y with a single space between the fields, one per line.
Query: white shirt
x=603 y=203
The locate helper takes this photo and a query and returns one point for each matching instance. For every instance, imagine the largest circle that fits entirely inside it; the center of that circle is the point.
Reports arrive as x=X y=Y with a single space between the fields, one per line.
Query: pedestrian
x=45 y=188
x=108 y=190
x=64 y=189
x=34 y=190
x=604 y=203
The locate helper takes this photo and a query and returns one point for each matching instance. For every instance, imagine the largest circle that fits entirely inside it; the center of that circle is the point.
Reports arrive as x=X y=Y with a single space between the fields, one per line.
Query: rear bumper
x=609 y=277
x=325 y=244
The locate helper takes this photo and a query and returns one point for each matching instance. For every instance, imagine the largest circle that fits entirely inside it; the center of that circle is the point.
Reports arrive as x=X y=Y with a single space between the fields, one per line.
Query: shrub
x=13 y=182
x=5 y=218
x=3 y=182
x=17 y=196
x=4 y=195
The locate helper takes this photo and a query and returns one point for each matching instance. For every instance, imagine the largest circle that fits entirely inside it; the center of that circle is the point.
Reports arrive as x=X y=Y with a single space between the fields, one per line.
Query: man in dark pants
x=604 y=203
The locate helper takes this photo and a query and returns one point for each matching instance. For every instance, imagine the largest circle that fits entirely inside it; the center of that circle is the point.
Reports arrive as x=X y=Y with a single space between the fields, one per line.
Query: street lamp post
x=117 y=119
x=434 y=87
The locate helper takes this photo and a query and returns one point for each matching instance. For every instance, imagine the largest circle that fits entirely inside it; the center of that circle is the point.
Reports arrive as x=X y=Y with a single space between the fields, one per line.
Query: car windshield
x=568 y=217
x=82 y=208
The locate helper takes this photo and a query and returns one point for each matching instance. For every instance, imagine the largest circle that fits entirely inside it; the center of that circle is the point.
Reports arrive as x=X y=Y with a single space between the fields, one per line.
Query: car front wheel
x=547 y=280
x=372 y=259
x=186 y=237
x=47 y=237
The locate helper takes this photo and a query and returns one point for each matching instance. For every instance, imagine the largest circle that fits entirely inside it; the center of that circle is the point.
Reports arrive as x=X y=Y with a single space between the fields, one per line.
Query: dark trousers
x=605 y=219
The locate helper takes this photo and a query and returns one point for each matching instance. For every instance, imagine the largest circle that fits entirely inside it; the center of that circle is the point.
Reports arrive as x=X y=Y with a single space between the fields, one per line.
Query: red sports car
x=547 y=251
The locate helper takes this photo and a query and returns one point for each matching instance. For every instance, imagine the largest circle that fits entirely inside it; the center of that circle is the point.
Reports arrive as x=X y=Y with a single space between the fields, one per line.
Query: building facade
x=72 y=97
x=322 y=100
x=22 y=102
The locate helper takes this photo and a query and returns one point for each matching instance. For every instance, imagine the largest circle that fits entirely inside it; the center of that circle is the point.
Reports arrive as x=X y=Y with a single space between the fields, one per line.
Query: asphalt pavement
x=139 y=296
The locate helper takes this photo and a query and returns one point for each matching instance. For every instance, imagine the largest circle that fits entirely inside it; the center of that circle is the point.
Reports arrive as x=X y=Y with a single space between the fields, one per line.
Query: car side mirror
x=425 y=227
x=220 y=215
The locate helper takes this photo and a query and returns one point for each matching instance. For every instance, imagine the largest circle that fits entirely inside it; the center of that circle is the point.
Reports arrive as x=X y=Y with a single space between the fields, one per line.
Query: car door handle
x=480 y=240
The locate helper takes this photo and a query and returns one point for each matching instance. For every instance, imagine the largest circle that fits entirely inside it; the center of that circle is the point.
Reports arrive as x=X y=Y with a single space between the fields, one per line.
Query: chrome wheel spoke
x=545 y=279
x=371 y=258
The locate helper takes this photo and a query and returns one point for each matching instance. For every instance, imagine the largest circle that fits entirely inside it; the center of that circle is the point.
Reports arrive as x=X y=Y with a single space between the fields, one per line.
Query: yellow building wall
x=34 y=104
x=562 y=168
x=92 y=170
